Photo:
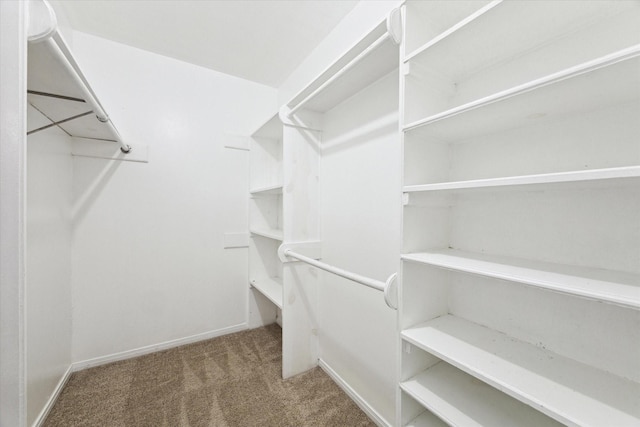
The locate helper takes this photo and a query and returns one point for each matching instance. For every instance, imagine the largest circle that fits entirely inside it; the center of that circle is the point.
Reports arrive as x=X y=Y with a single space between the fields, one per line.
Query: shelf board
x=608 y=286
x=271 y=129
x=564 y=389
x=270 y=288
x=594 y=84
x=274 y=234
x=461 y=50
x=573 y=178
x=267 y=190
x=373 y=65
x=462 y=400
x=426 y=419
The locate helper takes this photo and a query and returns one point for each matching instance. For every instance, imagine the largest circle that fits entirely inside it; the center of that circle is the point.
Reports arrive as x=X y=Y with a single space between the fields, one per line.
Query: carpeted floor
x=234 y=380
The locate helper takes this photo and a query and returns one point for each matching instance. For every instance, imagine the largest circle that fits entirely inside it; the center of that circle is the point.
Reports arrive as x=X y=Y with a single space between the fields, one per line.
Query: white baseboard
x=116 y=357
x=52 y=399
x=362 y=404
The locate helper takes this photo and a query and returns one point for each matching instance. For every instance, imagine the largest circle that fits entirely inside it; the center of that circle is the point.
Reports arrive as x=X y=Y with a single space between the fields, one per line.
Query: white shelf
x=373 y=65
x=267 y=190
x=272 y=129
x=274 y=234
x=270 y=288
x=462 y=400
x=566 y=390
x=613 y=287
x=577 y=89
x=426 y=419
x=574 y=178
x=524 y=26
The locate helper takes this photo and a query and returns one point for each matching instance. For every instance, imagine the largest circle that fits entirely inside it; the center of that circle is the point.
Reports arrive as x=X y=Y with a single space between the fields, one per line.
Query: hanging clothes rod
x=43 y=27
x=58 y=46
x=363 y=280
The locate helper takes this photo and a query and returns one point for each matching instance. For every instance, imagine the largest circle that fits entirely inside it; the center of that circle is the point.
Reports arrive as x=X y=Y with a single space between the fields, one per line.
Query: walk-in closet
x=320 y=212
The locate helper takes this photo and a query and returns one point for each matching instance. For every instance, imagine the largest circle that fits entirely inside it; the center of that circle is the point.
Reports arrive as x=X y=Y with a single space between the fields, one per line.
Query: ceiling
x=259 y=40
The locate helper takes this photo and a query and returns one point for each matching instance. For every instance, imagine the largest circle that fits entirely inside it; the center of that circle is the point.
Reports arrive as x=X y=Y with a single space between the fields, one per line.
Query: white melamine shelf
x=426 y=419
x=462 y=400
x=346 y=76
x=572 y=178
x=608 y=80
x=272 y=129
x=267 y=190
x=462 y=50
x=608 y=286
x=270 y=288
x=274 y=234
x=566 y=390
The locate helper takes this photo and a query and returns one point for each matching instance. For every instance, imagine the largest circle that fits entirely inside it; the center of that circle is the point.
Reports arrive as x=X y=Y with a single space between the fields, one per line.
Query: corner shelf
x=267 y=190
x=273 y=233
x=574 y=179
x=461 y=400
x=566 y=390
x=426 y=419
x=602 y=285
x=270 y=288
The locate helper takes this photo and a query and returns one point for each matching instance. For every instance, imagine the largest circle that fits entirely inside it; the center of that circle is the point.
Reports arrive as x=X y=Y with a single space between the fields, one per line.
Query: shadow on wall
x=84 y=198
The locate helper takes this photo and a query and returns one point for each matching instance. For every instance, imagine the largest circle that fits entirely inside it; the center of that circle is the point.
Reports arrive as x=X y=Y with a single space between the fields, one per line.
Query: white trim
x=13 y=129
x=129 y=354
x=362 y=404
x=53 y=398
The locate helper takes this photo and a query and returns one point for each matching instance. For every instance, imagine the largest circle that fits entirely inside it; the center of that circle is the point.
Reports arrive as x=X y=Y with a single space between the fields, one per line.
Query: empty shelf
x=426 y=419
x=270 y=288
x=574 y=90
x=568 y=391
x=588 y=178
x=462 y=400
x=275 y=234
x=603 y=285
x=267 y=190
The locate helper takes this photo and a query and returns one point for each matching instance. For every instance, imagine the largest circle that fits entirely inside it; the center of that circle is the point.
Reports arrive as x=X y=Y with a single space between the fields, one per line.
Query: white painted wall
x=148 y=260
x=13 y=125
x=48 y=278
x=360 y=214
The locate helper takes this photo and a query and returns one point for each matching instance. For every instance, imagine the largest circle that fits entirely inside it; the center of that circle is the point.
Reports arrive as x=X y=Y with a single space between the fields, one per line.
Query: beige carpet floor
x=234 y=380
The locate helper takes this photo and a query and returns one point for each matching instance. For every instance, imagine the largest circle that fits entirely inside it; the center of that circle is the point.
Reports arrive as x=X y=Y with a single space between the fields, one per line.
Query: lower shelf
x=426 y=419
x=568 y=391
x=272 y=233
x=270 y=288
x=462 y=400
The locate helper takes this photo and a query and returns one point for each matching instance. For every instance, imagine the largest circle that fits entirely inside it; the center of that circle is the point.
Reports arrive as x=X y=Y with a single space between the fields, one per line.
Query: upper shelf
x=56 y=86
x=371 y=58
x=271 y=129
x=608 y=80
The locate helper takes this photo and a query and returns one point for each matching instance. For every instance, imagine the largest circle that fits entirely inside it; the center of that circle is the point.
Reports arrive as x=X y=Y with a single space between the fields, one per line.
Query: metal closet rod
x=372 y=283
x=59 y=48
x=373 y=46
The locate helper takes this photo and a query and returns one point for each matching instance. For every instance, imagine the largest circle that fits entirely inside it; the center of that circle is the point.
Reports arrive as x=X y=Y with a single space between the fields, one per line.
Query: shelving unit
x=570 y=392
x=265 y=223
x=520 y=278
